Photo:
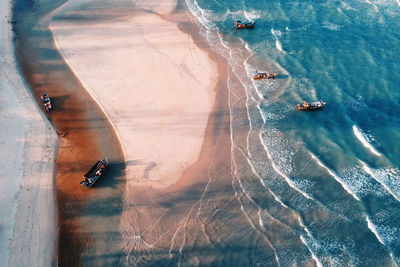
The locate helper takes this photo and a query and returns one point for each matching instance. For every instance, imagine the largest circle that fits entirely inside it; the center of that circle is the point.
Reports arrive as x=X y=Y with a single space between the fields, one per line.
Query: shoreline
x=214 y=148
x=161 y=236
x=214 y=154
x=27 y=223
x=86 y=137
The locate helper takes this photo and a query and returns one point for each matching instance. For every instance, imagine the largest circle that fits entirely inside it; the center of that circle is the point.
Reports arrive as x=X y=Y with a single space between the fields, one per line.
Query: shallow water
x=335 y=170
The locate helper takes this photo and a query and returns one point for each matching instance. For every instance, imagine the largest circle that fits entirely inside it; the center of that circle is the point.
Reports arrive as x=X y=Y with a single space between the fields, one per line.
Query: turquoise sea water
x=335 y=171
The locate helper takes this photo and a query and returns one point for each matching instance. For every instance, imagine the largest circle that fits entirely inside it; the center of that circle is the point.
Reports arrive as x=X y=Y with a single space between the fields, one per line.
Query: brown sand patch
x=85 y=134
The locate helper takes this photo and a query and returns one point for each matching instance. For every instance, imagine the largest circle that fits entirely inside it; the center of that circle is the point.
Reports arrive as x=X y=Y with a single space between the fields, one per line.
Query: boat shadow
x=58 y=102
x=282 y=76
x=112 y=177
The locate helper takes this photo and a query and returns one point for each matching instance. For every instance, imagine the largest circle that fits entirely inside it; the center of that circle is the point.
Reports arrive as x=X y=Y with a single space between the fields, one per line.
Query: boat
x=46 y=102
x=310 y=106
x=244 y=25
x=265 y=75
x=94 y=173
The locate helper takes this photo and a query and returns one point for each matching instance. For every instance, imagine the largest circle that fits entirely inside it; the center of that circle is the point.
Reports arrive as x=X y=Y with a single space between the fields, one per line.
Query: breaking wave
x=365 y=140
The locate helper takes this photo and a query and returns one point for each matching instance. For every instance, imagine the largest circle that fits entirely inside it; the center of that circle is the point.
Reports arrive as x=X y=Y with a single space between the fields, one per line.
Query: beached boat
x=265 y=75
x=310 y=106
x=94 y=173
x=244 y=25
x=46 y=102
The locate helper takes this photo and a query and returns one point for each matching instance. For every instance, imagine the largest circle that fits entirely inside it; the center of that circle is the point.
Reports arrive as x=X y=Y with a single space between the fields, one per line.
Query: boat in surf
x=94 y=173
x=46 y=102
x=310 y=106
x=264 y=75
x=244 y=25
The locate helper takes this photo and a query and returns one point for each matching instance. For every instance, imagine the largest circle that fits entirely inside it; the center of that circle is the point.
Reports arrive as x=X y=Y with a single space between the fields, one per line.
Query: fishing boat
x=46 y=102
x=310 y=106
x=244 y=25
x=94 y=173
x=265 y=75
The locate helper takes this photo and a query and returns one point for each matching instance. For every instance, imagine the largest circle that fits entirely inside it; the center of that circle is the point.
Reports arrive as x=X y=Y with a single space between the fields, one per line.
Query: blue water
x=330 y=179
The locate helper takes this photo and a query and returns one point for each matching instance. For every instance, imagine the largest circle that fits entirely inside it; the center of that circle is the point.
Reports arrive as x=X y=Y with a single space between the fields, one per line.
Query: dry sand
x=27 y=145
x=151 y=80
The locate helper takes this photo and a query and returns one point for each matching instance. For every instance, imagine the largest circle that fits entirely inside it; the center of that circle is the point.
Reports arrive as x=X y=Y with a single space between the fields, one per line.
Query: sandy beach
x=28 y=144
x=166 y=98
x=207 y=166
x=137 y=83
x=85 y=137
x=150 y=79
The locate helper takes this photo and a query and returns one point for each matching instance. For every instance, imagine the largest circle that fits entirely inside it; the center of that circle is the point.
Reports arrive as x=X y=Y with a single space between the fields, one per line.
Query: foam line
x=391 y=253
x=315 y=258
x=372 y=227
x=287 y=179
x=337 y=178
x=363 y=139
x=261 y=180
x=373 y=5
x=368 y=170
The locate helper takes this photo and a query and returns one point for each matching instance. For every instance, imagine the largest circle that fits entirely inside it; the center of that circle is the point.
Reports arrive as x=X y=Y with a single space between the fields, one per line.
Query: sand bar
x=151 y=80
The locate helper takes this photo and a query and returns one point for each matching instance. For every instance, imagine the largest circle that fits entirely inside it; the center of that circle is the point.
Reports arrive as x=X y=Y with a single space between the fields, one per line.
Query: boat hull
x=267 y=75
x=310 y=106
x=239 y=25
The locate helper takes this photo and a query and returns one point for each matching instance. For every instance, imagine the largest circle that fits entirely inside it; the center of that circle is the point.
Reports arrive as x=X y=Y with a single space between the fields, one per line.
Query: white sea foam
x=310 y=236
x=375 y=7
x=332 y=26
x=278 y=44
x=287 y=179
x=202 y=15
x=379 y=178
x=252 y=14
x=337 y=178
x=372 y=227
x=263 y=183
x=314 y=257
x=395 y=263
x=365 y=140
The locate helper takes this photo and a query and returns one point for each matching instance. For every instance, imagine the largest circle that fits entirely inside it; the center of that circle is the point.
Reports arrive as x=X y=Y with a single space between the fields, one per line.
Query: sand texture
x=153 y=83
x=27 y=144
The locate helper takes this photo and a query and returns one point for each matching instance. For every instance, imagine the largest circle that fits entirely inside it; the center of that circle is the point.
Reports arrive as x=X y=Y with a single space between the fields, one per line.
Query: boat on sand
x=46 y=102
x=94 y=173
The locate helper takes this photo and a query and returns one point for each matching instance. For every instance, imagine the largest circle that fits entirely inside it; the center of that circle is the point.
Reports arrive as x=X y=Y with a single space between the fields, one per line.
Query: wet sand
x=86 y=136
x=198 y=220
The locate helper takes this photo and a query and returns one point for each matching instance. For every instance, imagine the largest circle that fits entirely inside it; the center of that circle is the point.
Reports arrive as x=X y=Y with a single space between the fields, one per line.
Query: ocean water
x=336 y=172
